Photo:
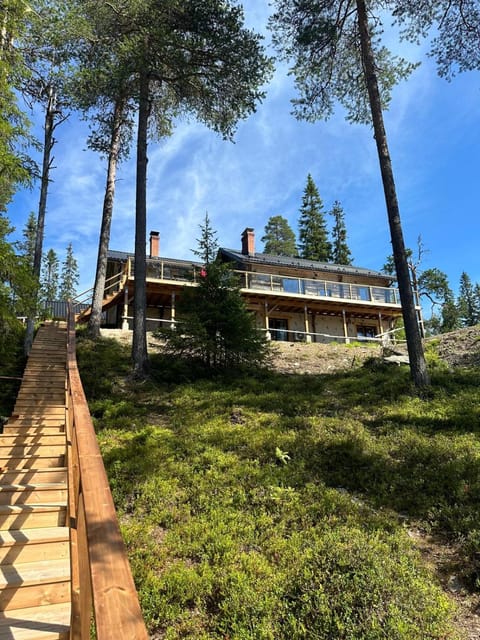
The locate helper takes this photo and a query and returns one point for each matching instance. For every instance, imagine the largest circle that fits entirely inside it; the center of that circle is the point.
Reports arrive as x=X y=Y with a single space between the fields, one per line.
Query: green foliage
x=101 y=361
x=321 y=40
x=12 y=362
x=16 y=166
x=70 y=275
x=341 y=253
x=207 y=243
x=198 y=56
x=279 y=238
x=16 y=286
x=313 y=234
x=468 y=302
x=226 y=539
x=455 y=26
x=49 y=279
x=215 y=327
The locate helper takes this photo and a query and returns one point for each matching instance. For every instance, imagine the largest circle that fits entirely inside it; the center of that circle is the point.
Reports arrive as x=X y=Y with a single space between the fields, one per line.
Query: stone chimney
x=248 y=242
x=154 y=244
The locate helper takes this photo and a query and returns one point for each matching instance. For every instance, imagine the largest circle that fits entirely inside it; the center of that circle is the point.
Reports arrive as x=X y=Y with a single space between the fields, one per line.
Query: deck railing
x=103 y=591
x=264 y=282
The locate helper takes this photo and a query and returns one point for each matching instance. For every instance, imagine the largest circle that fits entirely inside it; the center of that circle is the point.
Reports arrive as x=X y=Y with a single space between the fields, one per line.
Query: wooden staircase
x=34 y=539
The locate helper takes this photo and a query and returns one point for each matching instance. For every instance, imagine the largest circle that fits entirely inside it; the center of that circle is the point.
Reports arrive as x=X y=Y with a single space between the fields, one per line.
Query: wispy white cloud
x=434 y=137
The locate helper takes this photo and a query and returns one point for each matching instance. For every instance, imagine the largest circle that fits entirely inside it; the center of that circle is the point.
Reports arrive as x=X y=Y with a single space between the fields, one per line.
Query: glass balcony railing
x=319 y=288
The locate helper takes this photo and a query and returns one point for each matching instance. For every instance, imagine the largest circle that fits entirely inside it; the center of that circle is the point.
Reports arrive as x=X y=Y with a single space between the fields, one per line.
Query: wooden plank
x=34 y=545
x=32 y=462
x=35 y=595
x=14 y=476
x=25 y=429
x=40 y=623
x=32 y=517
x=31 y=439
x=33 y=494
x=31 y=450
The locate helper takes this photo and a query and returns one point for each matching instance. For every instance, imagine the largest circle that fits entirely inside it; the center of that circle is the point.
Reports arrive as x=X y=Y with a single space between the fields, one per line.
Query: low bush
x=267 y=506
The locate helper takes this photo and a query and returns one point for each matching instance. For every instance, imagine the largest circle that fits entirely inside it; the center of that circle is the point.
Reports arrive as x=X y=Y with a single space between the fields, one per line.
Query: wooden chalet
x=292 y=298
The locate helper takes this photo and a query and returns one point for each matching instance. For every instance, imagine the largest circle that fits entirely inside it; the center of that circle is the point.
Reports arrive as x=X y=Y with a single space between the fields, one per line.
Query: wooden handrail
x=102 y=584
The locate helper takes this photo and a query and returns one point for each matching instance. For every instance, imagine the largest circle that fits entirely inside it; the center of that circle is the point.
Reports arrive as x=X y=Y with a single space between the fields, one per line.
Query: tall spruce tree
x=217 y=329
x=49 y=279
x=27 y=245
x=341 y=253
x=279 y=238
x=207 y=243
x=468 y=303
x=70 y=275
x=313 y=233
x=338 y=57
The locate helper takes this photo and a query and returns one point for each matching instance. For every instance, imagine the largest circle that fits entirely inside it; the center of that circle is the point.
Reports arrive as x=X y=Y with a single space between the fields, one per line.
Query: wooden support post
x=267 y=326
x=345 y=328
x=308 y=337
x=172 y=313
x=125 y=326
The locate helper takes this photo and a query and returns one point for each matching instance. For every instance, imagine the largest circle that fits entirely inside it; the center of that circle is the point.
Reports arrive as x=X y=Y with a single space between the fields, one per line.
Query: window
x=366 y=331
x=278 y=329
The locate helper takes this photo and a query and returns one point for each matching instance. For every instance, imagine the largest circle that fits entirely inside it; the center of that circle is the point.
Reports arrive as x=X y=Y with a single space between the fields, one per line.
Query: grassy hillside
x=283 y=506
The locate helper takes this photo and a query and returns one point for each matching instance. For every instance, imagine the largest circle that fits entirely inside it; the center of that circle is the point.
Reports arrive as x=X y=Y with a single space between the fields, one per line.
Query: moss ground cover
x=275 y=507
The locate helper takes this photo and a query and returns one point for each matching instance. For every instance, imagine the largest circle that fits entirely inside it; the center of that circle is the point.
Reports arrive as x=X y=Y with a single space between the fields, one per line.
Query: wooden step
x=32 y=545
x=41 y=395
x=32 y=516
x=34 y=584
x=29 y=476
x=32 y=439
x=40 y=623
x=32 y=462
x=35 y=449
x=39 y=408
x=33 y=493
x=33 y=429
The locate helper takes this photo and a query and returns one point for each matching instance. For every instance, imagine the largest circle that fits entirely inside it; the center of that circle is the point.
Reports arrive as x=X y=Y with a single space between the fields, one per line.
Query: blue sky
x=434 y=135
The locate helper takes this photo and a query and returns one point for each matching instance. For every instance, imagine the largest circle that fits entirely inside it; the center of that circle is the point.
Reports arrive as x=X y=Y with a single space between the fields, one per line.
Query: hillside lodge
x=293 y=299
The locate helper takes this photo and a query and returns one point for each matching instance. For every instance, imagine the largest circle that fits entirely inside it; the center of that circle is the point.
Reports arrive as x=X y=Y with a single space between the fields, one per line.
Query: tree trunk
x=48 y=143
x=101 y=272
x=139 y=343
x=418 y=367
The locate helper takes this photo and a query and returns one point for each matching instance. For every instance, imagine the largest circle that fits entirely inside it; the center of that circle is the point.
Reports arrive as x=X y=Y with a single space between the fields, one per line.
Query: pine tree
x=207 y=243
x=70 y=276
x=468 y=303
x=49 y=279
x=338 y=58
x=313 y=233
x=341 y=253
x=279 y=238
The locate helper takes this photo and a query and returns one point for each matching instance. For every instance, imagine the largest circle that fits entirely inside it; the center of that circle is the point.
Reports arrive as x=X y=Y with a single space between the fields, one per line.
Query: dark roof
x=123 y=256
x=300 y=263
x=268 y=260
